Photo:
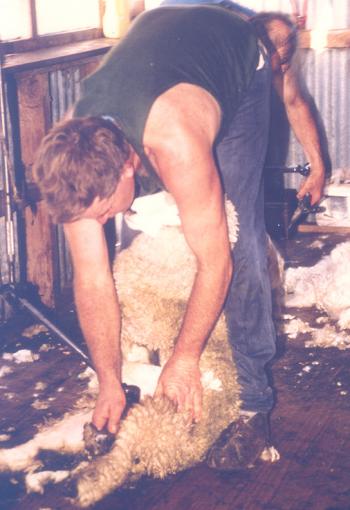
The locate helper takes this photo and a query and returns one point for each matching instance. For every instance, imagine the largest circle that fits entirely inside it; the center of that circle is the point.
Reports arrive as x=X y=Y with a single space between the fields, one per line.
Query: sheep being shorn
x=154 y=278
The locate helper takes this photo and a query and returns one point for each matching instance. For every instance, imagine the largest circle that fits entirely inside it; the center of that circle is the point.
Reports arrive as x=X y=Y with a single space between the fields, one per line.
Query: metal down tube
x=303 y=170
x=14 y=296
x=34 y=311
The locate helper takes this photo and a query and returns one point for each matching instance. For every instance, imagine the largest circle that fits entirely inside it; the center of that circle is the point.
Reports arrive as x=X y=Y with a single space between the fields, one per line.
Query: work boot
x=240 y=444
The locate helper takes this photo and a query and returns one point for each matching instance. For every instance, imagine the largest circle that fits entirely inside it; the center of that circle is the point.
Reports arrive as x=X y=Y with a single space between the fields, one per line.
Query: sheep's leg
x=142 y=375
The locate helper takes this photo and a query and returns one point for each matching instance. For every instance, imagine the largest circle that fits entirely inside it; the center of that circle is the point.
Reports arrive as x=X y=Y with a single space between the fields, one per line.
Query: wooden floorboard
x=310 y=425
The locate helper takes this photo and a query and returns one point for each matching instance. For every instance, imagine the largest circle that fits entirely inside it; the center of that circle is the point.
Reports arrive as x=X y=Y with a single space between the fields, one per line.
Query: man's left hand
x=180 y=381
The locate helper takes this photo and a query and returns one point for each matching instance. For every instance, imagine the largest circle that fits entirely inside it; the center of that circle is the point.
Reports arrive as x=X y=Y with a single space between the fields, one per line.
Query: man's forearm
x=306 y=131
x=304 y=126
x=99 y=317
x=203 y=308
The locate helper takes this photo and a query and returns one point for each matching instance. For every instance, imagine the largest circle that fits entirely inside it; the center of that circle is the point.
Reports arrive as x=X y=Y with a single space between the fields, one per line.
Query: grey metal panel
x=64 y=91
x=3 y=252
x=2 y=170
x=9 y=256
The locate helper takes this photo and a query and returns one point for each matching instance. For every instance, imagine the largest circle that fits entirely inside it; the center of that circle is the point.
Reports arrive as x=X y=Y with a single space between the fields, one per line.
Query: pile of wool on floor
x=326 y=286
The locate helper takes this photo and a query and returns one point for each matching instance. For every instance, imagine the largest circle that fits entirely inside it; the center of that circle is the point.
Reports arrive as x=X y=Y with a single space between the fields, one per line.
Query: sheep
x=154 y=278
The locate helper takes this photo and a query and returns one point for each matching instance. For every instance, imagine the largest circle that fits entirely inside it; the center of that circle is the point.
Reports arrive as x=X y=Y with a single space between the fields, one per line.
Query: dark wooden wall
x=30 y=105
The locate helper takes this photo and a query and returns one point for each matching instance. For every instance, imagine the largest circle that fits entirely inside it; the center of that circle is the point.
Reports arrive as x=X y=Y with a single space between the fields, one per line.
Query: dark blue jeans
x=240 y=158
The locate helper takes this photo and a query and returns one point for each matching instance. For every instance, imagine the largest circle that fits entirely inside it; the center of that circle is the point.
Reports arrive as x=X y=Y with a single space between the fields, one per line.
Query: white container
x=116 y=18
x=337 y=206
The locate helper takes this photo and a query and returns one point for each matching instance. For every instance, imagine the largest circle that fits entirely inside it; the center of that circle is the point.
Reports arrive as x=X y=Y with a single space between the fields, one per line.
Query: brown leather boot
x=240 y=444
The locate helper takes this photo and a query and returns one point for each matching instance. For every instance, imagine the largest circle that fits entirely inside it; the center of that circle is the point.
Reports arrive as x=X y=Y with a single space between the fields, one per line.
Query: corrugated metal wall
x=326 y=75
x=325 y=13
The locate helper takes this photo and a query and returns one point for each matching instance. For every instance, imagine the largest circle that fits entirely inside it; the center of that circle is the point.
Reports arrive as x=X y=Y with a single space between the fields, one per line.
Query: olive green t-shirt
x=206 y=46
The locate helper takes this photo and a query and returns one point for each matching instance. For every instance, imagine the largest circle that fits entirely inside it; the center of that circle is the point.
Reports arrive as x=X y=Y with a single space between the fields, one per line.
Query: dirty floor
x=310 y=423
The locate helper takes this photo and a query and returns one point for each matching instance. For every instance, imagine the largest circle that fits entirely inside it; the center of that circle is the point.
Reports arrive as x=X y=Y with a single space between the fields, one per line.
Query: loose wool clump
x=154 y=278
x=325 y=285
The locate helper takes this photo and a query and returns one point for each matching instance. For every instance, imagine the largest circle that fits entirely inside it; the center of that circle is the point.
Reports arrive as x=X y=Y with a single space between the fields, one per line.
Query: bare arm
x=99 y=315
x=185 y=163
x=304 y=126
x=203 y=218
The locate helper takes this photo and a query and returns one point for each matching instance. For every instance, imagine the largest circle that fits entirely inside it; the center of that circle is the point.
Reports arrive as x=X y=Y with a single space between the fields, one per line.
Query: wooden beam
x=34 y=120
x=335 y=39
x=62 y=55
x=322 y=229
x=49 y=41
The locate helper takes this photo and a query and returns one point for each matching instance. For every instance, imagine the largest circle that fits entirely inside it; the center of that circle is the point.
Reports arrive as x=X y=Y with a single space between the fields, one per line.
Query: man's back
x=204 y=46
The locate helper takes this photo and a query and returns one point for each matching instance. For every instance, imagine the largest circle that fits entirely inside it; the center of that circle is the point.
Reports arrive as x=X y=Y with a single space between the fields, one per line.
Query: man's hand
x=313 y=185
x=109 y=407
x=180 y=381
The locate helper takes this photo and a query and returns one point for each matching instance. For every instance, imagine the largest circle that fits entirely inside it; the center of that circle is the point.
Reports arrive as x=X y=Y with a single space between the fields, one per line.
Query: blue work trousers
x=240 y=158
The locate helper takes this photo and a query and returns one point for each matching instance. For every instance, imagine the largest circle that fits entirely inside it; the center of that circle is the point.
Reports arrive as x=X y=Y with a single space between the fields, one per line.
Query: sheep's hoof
x=71 y=488
x=97 y=442
x=132 y=394
x=240 y=444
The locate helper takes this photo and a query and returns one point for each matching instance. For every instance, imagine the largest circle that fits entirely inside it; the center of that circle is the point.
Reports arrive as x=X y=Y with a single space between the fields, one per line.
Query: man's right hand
x=109 y=407
x=180 y=381
x=313 y=185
